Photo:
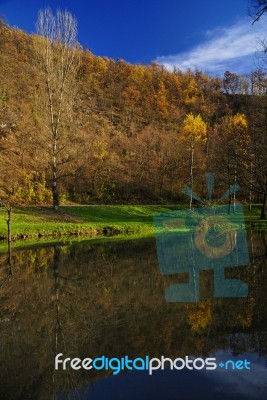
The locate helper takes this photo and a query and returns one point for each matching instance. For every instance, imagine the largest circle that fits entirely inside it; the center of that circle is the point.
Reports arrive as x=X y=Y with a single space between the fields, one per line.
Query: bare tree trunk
x=55 y=193
x=229 y=185
x=235 y=182
x=191 y=174
x=58 y=57
x=264 y=203
x=9 y=237
x=251 y=183
x=8 y=221
x=263 y=208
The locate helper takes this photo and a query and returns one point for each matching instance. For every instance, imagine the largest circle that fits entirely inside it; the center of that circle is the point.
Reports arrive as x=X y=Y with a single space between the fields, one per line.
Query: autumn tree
x=230 y=82
x=238 y=144
x=194 y=130
x=258 y=82
x=253 y=162
x=57 y=55
x=232 y=149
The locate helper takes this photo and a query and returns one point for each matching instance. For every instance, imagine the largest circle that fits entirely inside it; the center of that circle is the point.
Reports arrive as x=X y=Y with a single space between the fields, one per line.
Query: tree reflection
x=88 y=300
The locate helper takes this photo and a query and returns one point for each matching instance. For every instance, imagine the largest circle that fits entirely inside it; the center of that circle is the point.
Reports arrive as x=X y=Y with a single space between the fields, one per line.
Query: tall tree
x=194 y=130
x=231 y=150
x=57 y=54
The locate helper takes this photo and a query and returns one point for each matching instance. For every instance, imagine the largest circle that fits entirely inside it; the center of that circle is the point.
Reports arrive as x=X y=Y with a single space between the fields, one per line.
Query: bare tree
x=259 y=7
x=58 y=57
x=8 y=209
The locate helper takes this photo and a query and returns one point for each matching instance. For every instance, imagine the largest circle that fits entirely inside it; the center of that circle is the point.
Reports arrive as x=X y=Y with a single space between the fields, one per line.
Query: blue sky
x=209 y=35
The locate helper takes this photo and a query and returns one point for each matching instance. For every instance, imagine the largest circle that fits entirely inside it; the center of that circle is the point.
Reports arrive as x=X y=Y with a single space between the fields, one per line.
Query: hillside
x=131 y=138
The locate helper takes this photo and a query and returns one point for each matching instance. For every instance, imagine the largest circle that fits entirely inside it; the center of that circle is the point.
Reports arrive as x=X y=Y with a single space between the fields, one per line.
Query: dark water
x=89 y=300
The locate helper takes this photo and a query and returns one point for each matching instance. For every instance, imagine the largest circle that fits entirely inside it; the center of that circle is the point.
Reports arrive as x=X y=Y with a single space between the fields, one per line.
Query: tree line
x=100 y=130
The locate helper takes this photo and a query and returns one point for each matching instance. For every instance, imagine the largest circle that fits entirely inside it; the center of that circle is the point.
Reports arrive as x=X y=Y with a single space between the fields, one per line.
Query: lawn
x=43 y=223
x=36 y=222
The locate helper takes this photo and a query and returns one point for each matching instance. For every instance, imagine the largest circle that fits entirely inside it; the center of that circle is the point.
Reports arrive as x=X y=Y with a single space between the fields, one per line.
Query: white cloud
x=232 y=48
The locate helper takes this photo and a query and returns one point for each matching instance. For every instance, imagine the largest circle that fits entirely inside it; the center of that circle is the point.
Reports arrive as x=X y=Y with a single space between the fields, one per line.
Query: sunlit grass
x=43 y=224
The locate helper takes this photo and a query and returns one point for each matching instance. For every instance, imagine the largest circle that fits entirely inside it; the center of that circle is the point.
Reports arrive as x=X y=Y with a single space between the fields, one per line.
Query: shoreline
x=41 y=224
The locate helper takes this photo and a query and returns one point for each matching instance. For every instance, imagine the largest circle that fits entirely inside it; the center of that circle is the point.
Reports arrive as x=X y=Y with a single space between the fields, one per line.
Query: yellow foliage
x=237 y=131
x=161 y=99
x=194 y=128
x=245 y=316
x=32 y=189
x=137 y=74
x=200 y=316
x=238 y=122
x=191 y=93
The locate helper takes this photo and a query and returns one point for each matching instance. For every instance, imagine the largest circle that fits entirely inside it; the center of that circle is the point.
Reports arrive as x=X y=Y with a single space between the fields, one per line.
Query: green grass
x=36 y=222
x=40 y=224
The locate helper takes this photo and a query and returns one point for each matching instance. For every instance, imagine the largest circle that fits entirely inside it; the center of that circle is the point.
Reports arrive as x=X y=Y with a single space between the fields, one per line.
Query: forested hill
x=133 y=131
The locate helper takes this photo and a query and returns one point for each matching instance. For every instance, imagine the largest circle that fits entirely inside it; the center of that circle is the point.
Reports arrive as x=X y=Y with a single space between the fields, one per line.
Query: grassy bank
x=43 y=223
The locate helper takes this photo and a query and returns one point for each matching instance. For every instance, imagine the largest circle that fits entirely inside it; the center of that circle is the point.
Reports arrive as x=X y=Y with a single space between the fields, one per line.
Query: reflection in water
x=197 y=385
x=88 y=300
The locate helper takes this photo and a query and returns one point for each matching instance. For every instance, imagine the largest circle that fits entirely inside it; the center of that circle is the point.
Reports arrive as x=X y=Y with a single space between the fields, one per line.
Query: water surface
x=88 y=300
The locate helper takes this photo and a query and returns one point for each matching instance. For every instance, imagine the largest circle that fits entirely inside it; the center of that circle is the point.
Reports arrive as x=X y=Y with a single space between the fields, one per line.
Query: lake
x=92 y=299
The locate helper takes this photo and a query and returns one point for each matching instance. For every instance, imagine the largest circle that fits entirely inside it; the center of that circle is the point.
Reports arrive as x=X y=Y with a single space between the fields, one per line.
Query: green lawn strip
x=120 y=214
x=34 y=222
x=91 y=221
